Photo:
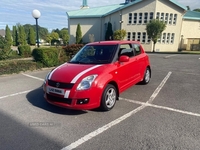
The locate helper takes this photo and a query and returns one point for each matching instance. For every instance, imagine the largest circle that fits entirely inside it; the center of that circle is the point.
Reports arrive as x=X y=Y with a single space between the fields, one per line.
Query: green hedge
x=49 y=57
x=24 y=50
x=16 y=66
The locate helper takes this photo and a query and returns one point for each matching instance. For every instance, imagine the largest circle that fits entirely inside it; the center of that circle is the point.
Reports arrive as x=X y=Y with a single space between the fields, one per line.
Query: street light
x=36 y=14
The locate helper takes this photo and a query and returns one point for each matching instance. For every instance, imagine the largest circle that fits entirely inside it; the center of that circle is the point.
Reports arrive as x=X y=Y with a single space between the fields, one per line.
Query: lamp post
x=36 y=14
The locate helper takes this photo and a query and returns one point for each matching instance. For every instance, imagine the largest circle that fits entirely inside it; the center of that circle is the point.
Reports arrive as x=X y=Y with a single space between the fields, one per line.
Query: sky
x=53 y=12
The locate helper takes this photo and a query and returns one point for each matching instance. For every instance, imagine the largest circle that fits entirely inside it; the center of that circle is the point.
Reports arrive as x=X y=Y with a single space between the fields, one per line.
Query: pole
x=37 y=32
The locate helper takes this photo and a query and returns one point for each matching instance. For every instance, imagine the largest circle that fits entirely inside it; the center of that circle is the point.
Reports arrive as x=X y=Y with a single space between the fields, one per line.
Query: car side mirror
x=123 y=58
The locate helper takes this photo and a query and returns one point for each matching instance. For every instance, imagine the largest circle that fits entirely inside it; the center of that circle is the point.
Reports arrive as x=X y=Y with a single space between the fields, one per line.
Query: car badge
x=57 y=85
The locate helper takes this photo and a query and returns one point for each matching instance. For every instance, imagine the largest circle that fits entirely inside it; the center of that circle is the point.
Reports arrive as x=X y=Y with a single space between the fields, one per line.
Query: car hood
x=70 y=73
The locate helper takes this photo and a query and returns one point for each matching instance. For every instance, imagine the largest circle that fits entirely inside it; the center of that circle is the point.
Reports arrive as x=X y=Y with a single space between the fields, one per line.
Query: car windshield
x=95 y=54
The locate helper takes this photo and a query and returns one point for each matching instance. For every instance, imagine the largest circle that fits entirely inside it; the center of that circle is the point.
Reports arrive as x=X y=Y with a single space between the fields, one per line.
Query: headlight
x=86 y=82
x=46 y=78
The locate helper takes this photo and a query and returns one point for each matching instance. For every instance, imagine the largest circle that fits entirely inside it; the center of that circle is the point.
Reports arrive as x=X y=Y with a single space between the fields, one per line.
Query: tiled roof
x=192 y=15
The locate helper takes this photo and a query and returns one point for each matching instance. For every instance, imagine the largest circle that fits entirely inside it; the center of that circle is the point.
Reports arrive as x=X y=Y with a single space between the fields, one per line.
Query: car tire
x=108 y=98
x=147 y=76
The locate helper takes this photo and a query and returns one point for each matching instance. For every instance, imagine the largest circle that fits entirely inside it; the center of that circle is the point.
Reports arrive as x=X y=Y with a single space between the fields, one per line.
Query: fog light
x=82 y=101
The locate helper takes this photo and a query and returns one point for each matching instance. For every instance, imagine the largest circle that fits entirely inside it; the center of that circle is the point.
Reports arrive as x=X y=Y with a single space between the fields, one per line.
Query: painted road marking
x=155 y=93
x=118 y=120
x=160 y=107
x=19 y=93
x=168 y=56
x=32 y=77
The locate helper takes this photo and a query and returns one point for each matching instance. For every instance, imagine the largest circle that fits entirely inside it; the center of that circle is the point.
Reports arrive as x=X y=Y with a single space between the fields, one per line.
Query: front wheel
x=147 y=76
x=108 y=98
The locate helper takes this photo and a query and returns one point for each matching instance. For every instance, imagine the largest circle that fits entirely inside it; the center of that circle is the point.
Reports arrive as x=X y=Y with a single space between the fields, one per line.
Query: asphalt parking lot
x=165 y=114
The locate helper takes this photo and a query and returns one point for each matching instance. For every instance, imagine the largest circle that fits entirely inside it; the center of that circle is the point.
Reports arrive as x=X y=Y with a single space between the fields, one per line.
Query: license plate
x=55 y=90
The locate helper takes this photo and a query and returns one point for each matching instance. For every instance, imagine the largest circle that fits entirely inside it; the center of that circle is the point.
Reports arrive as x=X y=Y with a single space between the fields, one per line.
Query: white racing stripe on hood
x=55 y=70
x=83 y=72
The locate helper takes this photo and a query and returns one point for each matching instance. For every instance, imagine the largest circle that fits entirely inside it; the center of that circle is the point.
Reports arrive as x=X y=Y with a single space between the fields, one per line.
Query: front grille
x=61 y=85
x=59 y=99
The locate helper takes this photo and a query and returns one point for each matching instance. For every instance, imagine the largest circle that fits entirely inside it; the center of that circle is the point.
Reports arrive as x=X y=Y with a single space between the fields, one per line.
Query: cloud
x=53 y=13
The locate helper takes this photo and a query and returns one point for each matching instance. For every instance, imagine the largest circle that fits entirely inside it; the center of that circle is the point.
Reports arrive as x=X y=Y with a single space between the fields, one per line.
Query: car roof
x=113 y=42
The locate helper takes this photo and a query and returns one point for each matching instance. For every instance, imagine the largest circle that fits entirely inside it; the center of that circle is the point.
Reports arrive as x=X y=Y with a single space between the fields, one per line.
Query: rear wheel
x=147 y=76
x=108 y=98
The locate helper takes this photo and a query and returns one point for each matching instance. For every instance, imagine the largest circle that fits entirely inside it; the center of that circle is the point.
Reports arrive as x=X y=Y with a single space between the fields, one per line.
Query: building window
x=159 y=39
x=172 y=38
x=163 y=37
x=162 y=17
x=157 y=15
x=138 y=36
x=143 y=37
x=145 y=17
x=128 y=36
x=140 y=18
x=170 y=18
x=166 y=18
x=168 y=38
x=133 y=36
x=135 y=18
x=148 y=39
x=130 y=18
x=175 y=18
x=151 y=16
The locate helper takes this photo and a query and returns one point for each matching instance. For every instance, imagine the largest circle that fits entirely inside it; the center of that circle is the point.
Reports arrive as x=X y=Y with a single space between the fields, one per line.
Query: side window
x=137 y=49
x=126 y=49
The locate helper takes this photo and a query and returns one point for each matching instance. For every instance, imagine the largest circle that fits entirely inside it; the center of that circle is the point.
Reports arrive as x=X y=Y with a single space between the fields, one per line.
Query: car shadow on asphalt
x=36 y=98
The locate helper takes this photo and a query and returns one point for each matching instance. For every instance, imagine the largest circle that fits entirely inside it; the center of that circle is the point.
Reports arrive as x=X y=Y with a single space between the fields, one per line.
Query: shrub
x=16 y=66
x=47 y=56
x=24 y=50
x=72 y=49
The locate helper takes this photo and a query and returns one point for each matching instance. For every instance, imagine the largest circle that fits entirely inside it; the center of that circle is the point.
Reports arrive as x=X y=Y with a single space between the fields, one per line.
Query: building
x=132 y=15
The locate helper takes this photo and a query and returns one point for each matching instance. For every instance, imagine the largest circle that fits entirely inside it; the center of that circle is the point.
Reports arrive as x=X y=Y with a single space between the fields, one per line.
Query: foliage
x=154 y=30
x=24 y=50
x=78 y=34
x=14 y=36
x=72 y=49
x=8 y=36
x=198 y=10
x=47 y=56
x=65 y=36
x=188 y=7
x=109 y=32
x=4 y=48
x=41 y=30
x=31 y=36
x=119 y=34
x=15 y=66
x=21 y=35
x=54 y=38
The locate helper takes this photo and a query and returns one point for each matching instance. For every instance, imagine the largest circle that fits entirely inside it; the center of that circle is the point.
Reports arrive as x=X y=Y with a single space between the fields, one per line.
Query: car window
x=95 y=54
x=137 y=49
x=126 y=49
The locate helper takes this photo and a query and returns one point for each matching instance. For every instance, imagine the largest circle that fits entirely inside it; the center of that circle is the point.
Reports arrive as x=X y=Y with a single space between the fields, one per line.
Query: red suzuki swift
x=97 y=74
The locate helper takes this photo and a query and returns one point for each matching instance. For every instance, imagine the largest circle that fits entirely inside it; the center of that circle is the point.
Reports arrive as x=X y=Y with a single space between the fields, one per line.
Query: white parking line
x=117 y=121
x=169 y=56
x=19 y=93
x=161 y=107
x=32 y=77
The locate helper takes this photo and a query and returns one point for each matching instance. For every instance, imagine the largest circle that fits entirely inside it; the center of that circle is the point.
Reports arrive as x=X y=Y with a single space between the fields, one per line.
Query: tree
x=198 y=10
x=8 y=36
x=14 y=36
x=64 y=35
x=119 y=34
x=4 y=48
x=31 y=36
x=78 y=34
x=154 y=30
x=21 y=35
x=109 y=32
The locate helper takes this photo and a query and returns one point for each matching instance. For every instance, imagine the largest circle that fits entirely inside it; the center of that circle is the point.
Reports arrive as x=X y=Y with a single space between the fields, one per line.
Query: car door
x=126 y=71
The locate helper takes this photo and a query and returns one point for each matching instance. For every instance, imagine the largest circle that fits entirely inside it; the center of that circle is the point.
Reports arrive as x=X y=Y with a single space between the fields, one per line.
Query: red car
x=97 y=74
